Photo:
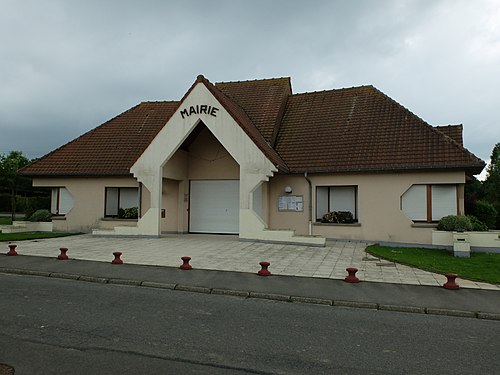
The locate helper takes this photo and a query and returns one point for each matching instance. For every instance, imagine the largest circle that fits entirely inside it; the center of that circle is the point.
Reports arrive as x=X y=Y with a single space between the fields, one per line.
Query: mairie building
x=254 y=159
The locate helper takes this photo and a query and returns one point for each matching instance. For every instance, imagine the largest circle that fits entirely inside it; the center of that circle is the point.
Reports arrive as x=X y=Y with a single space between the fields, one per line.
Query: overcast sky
x=67 y=66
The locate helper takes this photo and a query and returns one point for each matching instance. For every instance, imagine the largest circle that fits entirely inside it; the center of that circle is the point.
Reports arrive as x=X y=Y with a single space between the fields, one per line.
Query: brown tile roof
x=261 y=100
x=109 y=149
x=246 y=124
x=361 y=129
x=453 y=131
x=357 y=129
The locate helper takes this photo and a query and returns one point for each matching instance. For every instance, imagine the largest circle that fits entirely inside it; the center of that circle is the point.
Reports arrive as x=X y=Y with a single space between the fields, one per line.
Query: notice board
x=291 y=203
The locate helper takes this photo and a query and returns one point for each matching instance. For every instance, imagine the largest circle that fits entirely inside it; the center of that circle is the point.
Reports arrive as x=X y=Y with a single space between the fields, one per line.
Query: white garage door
x=214 y=206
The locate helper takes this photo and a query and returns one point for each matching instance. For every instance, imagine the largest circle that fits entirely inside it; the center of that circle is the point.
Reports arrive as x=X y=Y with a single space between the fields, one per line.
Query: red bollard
x=451 y=284
x=12 y=247
x=63 y=255
x=351 y=278
x=264 y=271
x=185 y=264
x=117 y=259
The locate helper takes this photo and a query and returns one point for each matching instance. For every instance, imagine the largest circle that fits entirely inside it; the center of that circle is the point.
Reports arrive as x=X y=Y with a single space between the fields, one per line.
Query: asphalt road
x=56 y=326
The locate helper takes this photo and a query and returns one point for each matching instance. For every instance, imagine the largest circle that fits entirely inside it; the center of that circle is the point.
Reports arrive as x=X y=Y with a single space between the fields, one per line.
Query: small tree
x=9 y=179
x=492 y=182
x=486 y=213
x=474 y=191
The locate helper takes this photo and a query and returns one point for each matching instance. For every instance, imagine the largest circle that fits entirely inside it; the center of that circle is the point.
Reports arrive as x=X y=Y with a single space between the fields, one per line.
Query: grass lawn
x=5 y=221
x=480 y=266
x=31 y=236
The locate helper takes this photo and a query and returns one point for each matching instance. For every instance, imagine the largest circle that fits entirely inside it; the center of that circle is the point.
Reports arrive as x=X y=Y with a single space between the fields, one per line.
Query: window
x=429 y=203
x=336 y=198
x=118 y=197
x=61 y=201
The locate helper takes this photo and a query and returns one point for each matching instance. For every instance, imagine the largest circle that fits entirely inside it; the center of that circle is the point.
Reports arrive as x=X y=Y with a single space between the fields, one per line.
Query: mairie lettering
x=199 y=109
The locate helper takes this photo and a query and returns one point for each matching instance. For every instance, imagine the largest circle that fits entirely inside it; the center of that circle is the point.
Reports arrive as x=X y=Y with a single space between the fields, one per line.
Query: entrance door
x=214 y=206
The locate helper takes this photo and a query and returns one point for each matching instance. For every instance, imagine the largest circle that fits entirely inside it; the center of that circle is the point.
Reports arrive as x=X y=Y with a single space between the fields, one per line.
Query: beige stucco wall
x=379 y=215
x=170 y=203
x=209 y=160
x=297 y=221
x=88 y=195
x=378 y=203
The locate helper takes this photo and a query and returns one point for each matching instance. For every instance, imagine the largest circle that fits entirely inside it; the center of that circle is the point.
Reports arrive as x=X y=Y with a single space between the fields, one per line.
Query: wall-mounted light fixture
x=288 y=189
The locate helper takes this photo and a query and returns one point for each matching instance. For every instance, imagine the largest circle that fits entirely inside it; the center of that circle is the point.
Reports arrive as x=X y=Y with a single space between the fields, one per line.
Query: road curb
x=258 y=295
x=451 y=312
x=359 y=305
x=151 y=284
x=18 y=271
x=272 y=296
x=125 y=282
x=92 y=279
x=195 y=289
x=407 y=309
x=489 y=316
x=229 y=292
x=312 y=300
x=60 y=275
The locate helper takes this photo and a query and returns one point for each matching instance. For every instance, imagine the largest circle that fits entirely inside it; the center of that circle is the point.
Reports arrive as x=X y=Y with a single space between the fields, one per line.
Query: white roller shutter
x=444 y=201
x=214 y=206
x=343 y=198
x=414 y=202
x=65 y=201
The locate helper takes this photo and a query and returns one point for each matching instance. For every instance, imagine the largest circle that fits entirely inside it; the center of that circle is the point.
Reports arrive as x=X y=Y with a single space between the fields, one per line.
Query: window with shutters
x=336 y=198
x=429 y=203
x=61 y=201
x=120 y=197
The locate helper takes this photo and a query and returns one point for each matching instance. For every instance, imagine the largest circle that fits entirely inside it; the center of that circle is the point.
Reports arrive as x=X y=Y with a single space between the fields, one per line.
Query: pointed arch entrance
x=210 y=178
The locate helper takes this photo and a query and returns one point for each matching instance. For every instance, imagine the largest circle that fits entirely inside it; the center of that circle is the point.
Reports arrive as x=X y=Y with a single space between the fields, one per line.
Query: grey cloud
x=68 y=66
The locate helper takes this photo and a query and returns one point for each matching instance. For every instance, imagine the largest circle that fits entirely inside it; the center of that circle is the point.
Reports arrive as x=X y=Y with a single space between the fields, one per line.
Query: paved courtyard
x=227 y=253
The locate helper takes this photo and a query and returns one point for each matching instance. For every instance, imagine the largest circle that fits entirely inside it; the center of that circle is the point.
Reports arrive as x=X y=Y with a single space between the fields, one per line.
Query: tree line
x=482 y=198
x=17 y=193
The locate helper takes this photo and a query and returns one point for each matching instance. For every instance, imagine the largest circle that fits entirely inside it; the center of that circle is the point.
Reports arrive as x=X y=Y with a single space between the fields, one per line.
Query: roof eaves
x=476 y=169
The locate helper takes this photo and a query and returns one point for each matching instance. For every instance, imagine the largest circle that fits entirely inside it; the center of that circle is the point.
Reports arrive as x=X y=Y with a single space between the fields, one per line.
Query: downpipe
x=310 y=202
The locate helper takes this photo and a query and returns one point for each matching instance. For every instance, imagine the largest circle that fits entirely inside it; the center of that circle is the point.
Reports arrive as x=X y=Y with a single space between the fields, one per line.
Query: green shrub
x=342 y=217
x=454 y=223
x=128 y=213
x=477 y=225
x=29 y=205
x=486 y=213
x=41 y=215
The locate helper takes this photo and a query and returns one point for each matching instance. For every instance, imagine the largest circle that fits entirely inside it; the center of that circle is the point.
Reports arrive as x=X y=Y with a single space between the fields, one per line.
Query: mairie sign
x=198 y=110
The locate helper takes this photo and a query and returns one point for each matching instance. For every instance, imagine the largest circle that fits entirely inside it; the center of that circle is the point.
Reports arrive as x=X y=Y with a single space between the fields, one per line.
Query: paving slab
x=227 y=253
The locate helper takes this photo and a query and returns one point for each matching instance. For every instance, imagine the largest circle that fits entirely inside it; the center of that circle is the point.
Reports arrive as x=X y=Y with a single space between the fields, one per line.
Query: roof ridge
x=158 y=101
x=447 y=126
x=333 y=90
x=255 y=80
